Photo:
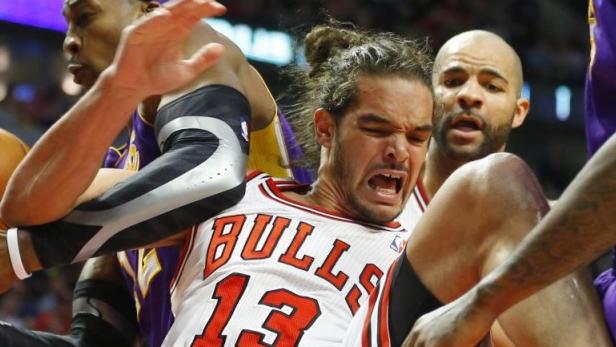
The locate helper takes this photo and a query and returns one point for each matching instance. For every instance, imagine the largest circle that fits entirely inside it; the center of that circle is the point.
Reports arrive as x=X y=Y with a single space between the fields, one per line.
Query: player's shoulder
x=260 y=185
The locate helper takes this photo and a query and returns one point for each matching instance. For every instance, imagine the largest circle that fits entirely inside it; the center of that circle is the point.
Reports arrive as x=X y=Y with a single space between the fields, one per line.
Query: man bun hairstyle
x=326 y=40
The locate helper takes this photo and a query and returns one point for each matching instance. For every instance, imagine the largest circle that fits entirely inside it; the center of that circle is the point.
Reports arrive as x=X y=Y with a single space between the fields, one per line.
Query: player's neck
x=326 y=194
x=437 y=169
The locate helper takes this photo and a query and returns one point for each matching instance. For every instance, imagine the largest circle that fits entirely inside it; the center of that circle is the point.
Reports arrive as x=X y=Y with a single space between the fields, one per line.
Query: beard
x=494 y=137
x=342 y=172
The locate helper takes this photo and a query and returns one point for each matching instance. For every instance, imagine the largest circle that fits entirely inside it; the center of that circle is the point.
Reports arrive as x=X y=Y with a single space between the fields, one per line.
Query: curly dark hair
x=338 y=56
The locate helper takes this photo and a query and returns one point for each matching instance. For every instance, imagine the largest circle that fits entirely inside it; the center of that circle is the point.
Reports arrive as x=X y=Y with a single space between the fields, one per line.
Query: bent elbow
x=11 y=211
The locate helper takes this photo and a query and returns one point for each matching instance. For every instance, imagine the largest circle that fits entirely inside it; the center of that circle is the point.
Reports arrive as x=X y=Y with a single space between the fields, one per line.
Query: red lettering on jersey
x=290 y=256
x=289 y=328
x=227 y=293
x=226 y=240
x=370 y=271
x=250 y=249
x=325 y=271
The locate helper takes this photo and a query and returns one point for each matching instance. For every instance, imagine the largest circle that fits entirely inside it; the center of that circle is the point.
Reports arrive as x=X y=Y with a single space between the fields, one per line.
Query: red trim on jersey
x=277 y=188
x=252 y=174
x=420 y=196
x=422 y=191
x=189 y=241
x=383 y=321
x=367 y=327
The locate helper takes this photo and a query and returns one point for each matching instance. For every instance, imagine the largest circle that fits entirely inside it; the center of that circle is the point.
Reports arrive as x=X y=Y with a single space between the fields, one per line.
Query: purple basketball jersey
x=148 y=272
x=301 y=175
x=601 y=77
x=601 y=117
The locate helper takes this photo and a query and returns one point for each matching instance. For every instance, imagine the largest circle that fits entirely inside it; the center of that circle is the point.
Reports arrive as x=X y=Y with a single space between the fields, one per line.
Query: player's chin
x=87 y=82
x=466 y=152
x=380 y=213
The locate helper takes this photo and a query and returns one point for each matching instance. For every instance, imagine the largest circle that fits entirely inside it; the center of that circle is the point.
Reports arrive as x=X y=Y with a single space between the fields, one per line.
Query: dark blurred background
x=551 y=37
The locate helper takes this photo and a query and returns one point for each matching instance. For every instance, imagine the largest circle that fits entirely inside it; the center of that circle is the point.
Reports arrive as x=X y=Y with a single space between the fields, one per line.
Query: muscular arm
x=68 y=156
x=66 y=159
x=59 y=182
x=202 y=135
x=581 y=225
x=200 y=174
x=232 y=70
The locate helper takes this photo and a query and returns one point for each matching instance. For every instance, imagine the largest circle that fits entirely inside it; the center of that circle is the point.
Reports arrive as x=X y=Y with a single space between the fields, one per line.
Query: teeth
x=386 y=191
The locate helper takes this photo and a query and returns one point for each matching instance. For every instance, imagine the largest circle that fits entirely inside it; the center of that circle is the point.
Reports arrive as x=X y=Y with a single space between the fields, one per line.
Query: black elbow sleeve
x=204 y=136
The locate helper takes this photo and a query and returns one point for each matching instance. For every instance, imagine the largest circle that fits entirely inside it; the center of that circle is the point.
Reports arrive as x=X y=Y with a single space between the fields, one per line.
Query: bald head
x=483 y=47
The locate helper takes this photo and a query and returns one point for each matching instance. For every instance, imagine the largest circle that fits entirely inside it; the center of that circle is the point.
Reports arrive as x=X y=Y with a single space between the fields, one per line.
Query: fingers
x=195 y=8
x=175 y=18
x=205 y=57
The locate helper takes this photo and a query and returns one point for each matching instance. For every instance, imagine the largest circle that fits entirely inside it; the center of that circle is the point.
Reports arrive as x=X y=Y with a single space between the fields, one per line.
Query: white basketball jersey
x=271 y=271
x=370 y=325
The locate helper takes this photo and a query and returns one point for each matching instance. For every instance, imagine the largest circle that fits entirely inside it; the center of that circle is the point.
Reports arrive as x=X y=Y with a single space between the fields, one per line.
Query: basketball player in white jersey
x=316 y=251
x=289 y=265
x=477 y=81
x=369 y=121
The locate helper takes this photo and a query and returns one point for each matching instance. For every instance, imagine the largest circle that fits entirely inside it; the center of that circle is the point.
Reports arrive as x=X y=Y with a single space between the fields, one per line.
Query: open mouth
x=74 y=68
x=466 y=123
x=386 y=183
x=79 y=72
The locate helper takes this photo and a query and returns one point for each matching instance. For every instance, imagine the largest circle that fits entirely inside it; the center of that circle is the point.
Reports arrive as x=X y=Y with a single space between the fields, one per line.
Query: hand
x=7 y=276
x=150 y=61
x=457 y=324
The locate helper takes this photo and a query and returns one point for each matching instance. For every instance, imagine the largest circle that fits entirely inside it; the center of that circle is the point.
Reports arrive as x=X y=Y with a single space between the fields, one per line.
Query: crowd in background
x=551 y=37
x=550 y=49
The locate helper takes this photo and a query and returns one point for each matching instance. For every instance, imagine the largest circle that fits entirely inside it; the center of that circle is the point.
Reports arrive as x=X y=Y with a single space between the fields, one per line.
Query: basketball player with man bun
x=325 y=245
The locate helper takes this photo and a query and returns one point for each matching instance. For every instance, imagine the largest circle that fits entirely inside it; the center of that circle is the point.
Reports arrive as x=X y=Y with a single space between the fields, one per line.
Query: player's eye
x=453 y=82
x=494 y=88
x=375 y=131
x=418 y=139
x=84 y=19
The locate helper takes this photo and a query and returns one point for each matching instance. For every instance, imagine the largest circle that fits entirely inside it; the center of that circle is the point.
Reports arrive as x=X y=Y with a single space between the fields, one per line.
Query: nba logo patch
x=245 y=130
x=397 y=244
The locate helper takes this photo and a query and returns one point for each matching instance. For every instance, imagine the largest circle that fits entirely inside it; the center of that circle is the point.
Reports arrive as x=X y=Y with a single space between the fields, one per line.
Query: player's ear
x=521 y=111
x=324 y=126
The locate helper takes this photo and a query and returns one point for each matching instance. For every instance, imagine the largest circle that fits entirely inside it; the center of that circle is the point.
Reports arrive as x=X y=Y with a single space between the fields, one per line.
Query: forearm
x=579 y=227
x=66 y=159
x=200 y=173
